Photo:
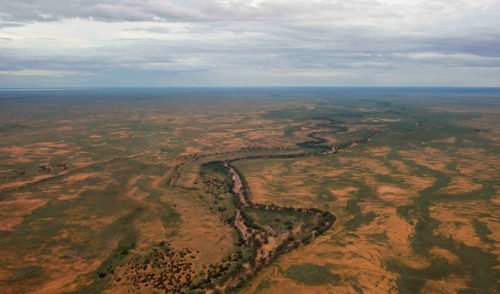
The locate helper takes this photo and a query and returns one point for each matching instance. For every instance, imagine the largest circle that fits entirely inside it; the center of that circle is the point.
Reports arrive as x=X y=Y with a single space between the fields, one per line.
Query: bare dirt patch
x=444 y=254
x=449 y=140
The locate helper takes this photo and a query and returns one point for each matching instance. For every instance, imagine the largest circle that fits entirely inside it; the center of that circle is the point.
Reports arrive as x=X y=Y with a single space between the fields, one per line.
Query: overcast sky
x=56 y=43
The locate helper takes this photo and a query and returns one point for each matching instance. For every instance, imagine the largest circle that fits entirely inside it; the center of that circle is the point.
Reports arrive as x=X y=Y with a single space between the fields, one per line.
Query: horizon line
x=240 y=87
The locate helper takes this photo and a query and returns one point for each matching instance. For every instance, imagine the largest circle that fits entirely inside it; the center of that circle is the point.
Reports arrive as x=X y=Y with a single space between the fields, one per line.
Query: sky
x=184 y=43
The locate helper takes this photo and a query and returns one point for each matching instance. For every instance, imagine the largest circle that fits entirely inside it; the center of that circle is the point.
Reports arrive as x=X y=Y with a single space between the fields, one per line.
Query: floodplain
x=250 y=190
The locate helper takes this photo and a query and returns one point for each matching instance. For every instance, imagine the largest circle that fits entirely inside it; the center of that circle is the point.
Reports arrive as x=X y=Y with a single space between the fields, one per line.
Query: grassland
x=249 y=191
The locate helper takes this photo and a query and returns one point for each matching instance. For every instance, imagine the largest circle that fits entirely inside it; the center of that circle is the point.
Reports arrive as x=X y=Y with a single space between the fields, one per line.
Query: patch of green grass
x=482 y=231
x=264 y=284
x=103 y=275
x=169 y=216
x=281 y=221
x=25 y=273
x=361 y=219
x=312 y=274
x=381 y=237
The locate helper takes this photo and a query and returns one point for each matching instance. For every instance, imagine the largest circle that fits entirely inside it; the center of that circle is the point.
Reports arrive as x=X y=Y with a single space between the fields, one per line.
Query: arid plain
x=252 y=191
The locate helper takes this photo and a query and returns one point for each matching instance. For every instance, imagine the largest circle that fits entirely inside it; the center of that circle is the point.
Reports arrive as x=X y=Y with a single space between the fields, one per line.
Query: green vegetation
x=24 y=273
x=312 y=274
x=96 y=188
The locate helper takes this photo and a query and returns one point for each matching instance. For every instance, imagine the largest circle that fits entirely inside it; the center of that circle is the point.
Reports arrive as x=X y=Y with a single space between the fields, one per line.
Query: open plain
x=250 y=190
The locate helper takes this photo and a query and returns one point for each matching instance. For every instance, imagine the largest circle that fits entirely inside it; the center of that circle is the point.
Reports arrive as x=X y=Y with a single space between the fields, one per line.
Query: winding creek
x=317 y=146
x=264 y=254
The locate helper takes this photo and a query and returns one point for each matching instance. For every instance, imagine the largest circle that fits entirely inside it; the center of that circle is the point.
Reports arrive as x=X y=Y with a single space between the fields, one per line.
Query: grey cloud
x=223 y=40
x=152 y=29
x=10 y=24
x=260 y=53
x=121 y=10
x=218 y=10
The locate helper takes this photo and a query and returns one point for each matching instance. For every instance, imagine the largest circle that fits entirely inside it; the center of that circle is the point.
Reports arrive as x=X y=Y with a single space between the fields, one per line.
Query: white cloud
x=37 y=73
x=315 y=40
